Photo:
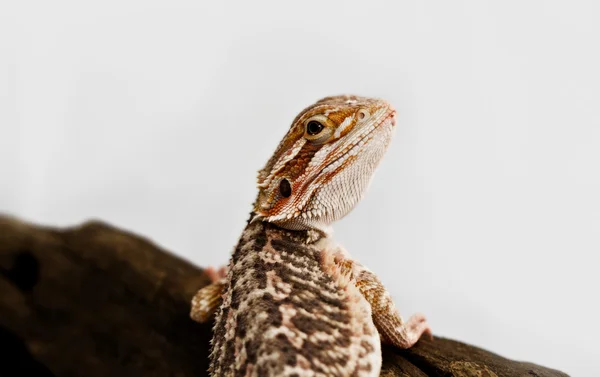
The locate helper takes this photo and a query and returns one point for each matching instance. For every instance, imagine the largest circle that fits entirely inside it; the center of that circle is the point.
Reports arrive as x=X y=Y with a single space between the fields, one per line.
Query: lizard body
x=292 y=301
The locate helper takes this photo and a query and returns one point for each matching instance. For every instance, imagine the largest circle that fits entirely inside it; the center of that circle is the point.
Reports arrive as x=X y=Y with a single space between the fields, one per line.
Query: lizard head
x=325 y=162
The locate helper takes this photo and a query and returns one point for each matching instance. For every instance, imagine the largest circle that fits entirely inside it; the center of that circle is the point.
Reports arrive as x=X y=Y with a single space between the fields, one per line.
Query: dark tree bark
x=97 y=301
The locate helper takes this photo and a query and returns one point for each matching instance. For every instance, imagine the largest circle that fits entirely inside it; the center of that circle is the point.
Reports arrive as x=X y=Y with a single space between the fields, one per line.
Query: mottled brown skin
x=273 y=272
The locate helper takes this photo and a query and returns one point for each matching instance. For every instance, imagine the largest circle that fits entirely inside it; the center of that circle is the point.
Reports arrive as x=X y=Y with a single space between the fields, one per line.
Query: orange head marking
x=325 y=162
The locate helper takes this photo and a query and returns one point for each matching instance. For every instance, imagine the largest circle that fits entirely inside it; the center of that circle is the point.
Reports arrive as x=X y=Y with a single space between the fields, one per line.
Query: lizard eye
x=313 y=127
x=318 y=129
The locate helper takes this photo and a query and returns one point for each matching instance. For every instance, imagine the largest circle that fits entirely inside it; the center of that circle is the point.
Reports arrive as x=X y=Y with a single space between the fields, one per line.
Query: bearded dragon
x=292 y=302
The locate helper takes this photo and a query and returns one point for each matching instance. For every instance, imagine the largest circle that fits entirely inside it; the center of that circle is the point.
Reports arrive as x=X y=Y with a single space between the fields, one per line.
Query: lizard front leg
x=387 y=320
x=208 y=299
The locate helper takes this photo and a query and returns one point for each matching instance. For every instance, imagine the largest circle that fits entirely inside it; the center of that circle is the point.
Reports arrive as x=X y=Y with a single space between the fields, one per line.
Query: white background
x=485 y=214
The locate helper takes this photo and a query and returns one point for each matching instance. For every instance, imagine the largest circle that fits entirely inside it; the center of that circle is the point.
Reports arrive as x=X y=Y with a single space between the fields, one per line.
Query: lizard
x=292 y=302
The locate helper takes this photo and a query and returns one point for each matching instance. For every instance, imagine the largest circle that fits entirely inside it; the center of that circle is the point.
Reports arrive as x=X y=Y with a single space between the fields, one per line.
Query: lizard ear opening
x=285 y=188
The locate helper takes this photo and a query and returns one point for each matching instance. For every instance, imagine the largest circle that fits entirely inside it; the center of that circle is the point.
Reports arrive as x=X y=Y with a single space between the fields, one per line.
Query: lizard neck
x=256 y=224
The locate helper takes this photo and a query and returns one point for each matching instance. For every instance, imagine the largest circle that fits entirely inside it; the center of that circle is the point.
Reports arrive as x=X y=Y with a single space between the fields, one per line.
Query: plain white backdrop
x=485 y=214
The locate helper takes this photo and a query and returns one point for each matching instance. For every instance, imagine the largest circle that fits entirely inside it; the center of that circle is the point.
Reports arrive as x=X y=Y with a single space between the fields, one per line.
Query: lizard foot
x=410 y=332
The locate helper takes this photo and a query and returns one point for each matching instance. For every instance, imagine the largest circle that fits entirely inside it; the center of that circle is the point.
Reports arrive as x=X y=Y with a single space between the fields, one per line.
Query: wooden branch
x=97 y=301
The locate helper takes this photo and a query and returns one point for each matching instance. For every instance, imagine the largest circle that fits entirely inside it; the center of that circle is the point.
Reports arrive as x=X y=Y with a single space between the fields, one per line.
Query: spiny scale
x=293 y=302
